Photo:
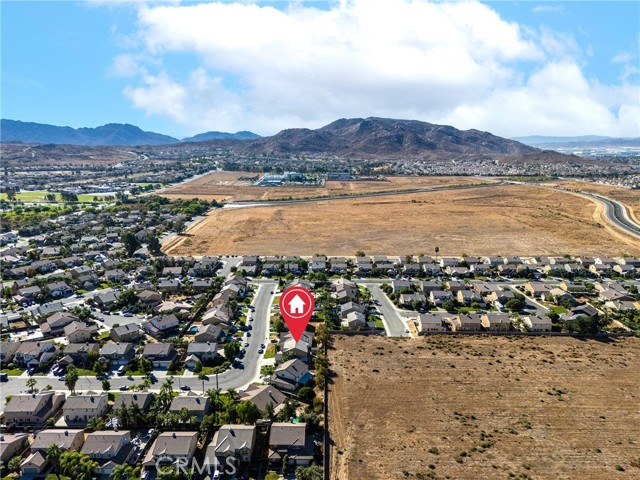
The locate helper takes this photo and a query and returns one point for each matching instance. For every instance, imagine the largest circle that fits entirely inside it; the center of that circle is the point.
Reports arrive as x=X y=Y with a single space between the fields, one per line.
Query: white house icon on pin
x=296 y=305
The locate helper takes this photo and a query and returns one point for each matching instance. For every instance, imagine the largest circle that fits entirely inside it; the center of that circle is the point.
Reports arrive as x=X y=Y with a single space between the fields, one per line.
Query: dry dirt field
x=228 y=186
x=514 y=220
x=478 y=407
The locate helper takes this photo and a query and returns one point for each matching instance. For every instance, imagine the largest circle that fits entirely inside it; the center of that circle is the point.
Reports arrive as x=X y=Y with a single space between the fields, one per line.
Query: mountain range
x=370 y=138
x=583 y=141
x=109 y=134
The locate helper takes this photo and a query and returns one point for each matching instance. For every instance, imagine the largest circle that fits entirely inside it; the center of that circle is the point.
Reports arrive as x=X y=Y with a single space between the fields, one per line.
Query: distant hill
x=201 y=137
x=584 y=141
x=535 y=140
x=110 y=134
x=385 y=138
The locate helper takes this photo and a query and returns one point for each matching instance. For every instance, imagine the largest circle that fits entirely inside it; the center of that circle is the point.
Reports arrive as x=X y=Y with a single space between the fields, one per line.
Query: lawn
x=38 y=196
x=271 y=351
x=83 y=372
x=14 y=372
x=559 y=310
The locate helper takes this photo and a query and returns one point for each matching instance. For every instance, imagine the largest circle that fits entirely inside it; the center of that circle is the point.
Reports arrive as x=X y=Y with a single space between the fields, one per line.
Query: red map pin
x=296 y=307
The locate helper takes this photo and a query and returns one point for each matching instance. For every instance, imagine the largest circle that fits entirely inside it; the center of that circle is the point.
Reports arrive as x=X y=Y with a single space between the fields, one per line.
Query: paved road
x=232 y=378
x=394 y=325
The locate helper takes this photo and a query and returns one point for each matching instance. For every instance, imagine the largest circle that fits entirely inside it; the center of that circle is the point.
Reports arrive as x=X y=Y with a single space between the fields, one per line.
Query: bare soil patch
x=514 y=220
x=484 y=407
x=234 y=186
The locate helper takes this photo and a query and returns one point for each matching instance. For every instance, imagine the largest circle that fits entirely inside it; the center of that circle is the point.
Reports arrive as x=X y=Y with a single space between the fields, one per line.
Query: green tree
x=306 y=394
x=153 y=244
x=54 y=452
x=130 y=243
x=71 y=378
x=14 y=463
x=313 y=472
x=231 y=349
x=121 y=472
x=106 y=385
x=516 y=304
x=31 y=384
x=77 y=466
x=248 y=412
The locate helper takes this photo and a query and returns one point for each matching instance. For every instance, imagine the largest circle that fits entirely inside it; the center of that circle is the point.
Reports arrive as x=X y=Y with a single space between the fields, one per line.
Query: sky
x=512 y=68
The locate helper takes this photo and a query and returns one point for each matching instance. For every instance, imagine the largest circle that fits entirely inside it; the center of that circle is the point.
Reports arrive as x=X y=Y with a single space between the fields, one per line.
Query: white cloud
x=547 y=8
x=265 y=69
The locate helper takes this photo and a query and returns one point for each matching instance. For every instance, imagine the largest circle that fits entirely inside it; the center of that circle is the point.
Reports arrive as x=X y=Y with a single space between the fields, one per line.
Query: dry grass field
x=228 y=186
x=477 y=407
x=629 y=197
x=514 y=220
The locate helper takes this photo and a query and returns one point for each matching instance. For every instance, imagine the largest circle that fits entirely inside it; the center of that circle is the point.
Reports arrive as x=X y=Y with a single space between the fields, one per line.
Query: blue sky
x=512 y=68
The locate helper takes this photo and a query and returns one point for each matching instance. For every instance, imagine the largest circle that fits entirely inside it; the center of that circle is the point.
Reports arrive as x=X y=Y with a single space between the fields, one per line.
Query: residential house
x=59 y=289
x=349 y=307
x=105 y=300
x=12 y=445
x=496 y=322
x=262 y=395
x=438 y=297
x=8 y=351
x=108 y=449
x=407 y=299
x=209 y=333
x=291 y=441
x=67 y=439
x=533 y=323
x=54 y=325
x=197 y=405
x=354 y=321
x=143 y=400
x=467 y=297
x=300 y=349
x=79 y=332
x=79 y=409
x=32 y=409
x=171 y=448
x=470 y=322
x=79 y=352
x=398 y=285
x=291 y=374
x=160 y=354
x=149 y=298
x=161 y=326
x=232 y=441
x=430 y=323
x=34 y=354
x=204 y=351
x=126 y=333
x=117 y=354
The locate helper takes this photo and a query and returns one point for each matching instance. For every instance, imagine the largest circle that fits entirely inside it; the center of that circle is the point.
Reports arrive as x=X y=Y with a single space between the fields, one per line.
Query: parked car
x=185 y=387
x=124 y=388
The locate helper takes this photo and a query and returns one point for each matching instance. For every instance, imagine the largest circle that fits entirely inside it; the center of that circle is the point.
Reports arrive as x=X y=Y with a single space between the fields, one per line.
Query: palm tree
x=53 y=455
x=31 y=383
x=70 y=378
x=95 y=423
